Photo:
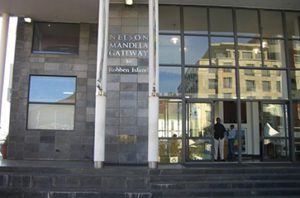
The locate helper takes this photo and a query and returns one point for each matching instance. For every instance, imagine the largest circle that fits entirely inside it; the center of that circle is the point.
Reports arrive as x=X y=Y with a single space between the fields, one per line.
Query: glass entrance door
x=199 y=131
x=274 y=131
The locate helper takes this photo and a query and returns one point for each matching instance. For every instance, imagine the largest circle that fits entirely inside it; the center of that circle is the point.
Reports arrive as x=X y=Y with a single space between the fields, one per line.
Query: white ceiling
x=87 y=10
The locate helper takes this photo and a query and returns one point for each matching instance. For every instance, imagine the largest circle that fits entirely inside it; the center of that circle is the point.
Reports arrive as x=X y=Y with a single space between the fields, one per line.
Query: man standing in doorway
x=219 y=134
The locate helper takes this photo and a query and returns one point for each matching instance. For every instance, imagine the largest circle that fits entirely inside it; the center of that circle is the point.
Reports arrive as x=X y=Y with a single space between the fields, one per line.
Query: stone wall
x=127 y=94
x=50 y=144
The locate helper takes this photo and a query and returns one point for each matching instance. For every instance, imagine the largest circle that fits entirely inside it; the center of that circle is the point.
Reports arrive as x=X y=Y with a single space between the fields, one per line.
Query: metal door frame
x=262 y=135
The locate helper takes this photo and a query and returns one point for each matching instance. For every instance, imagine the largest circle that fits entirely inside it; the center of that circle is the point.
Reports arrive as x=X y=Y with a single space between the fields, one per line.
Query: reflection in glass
x=199 y=83
x=200 y=120
x=247 y=22
x=274 y=120
x=196 y=50
x=169 y=49
x=295 y=84
x=274 y=55
x=49 y=116
x=296 y=128
x=200 y=149
x=52 y=89
x=271 y=22
x=169 y=81
x=169 y=19
x=170 y=150
x=222 y=50
x=199 y=131
x=195 y=20
x=251 y=87
x=56 y=38
x=249 y=52
x=294 y=53
x=169 y=123
x=293 y=24
x=221 y=21
x=275 y=149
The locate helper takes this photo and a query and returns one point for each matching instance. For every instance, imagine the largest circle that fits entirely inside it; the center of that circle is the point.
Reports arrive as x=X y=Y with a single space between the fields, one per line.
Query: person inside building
x=219 y=133
x=231 y=139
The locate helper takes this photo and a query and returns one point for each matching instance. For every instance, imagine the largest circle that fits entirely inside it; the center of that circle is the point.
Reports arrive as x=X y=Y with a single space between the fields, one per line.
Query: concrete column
x=100 y=109
x=153 y=85
x=3 y=46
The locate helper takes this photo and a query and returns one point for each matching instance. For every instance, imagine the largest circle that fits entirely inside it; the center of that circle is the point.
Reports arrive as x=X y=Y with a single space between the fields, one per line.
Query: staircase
x=227 y=181
x=211 y=180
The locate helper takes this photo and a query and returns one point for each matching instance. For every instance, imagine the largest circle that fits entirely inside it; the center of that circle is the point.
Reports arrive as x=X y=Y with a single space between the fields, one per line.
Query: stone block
x=128 y=95
x=41 y=182
x=113 y=183
x=128 y=104
x=115 y=86
x=91 y=182
x=128 y=112
x=128 y=121
x=129 y=130
x=129 y=78
x=47 y=139
x=128 y=87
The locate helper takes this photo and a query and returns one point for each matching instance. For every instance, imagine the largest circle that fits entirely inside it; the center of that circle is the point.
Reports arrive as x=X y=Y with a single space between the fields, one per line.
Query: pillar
x=100 y=109
x=153 y=85
x=3 y=46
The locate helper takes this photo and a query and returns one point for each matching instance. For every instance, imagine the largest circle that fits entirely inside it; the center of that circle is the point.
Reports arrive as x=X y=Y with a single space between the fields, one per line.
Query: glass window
x=271 y=22
x=249 y=52
x=169 y=49
x=227 y=82
x=52 y=89
x=221 y=21
x=293 y=24
x=252 y=86
x=169 y=81
x=295 y=82
x=196 y=50
x=222 y=50
x=195 y=20
x=249 y=72
x=266 y=85
x=294 y=53
x=170 y=131
x=51 y=103
x=275 y=149
x=296 y=128
x=169 y=19
x=230 y=112
x=51 y=117
x=274 y=55
x=61 y=38
x=199 y=83
x=170 y=121
x=247 y=22
x=212 y=84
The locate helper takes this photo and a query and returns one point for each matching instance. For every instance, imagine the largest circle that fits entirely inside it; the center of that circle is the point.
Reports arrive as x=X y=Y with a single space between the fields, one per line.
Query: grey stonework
x=50 y=144
x=127 y=97
x=127 y=94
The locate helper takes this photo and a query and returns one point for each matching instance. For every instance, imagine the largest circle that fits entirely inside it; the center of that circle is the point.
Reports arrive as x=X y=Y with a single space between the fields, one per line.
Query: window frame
x=33 y=51
x=51 y=103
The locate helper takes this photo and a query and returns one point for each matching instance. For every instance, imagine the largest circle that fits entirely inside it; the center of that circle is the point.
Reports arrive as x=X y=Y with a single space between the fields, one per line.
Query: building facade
x=146 y=83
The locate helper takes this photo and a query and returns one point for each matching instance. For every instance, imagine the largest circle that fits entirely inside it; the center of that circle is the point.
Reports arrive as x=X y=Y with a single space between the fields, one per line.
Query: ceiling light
x=128 y=2
x=174 y=40
x=27 y=20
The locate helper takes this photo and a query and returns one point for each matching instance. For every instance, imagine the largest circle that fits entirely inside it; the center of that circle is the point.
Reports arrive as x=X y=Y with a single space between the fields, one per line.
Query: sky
x=7 y=76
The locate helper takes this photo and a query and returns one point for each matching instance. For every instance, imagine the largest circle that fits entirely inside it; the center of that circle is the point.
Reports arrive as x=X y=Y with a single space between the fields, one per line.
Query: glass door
x=274 y=131
x=199 y=143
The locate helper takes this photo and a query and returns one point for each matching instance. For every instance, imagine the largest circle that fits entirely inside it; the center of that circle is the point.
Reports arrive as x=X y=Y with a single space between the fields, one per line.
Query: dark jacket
x=219 y=131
